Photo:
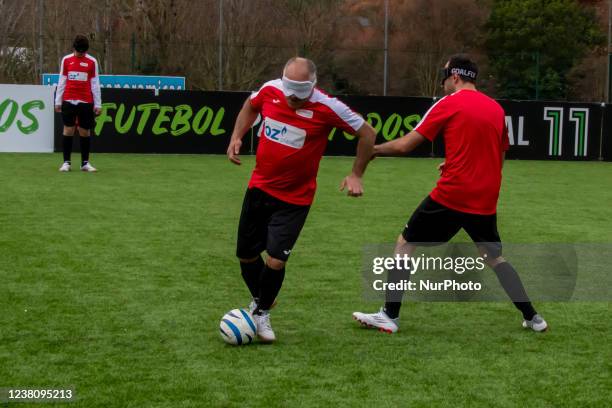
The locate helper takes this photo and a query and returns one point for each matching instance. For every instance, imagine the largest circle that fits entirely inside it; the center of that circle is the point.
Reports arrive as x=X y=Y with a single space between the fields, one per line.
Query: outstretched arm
x=365 y=149
x=244 y=121
x=400 y=146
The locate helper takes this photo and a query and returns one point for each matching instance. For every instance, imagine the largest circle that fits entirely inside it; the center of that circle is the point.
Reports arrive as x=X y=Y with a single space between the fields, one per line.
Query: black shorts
x=83 y=111
x=434 y=223
x=270 y=224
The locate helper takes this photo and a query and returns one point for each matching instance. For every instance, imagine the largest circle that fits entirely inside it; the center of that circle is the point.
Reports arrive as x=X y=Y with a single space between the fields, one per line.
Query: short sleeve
x=257 y=98
x=435 y=118
x=343 y=117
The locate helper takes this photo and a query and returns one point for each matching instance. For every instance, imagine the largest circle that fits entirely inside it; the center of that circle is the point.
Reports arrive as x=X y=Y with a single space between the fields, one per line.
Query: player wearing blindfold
x=475 y=140
x=297 y=118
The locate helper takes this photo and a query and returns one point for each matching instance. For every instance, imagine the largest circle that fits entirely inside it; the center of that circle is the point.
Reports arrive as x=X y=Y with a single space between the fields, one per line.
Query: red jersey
x=78 y=81
x=292 y=142
x=475 y=138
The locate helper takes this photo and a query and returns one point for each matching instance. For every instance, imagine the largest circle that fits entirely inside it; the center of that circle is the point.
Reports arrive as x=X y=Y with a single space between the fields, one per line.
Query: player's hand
x=97 y=111
x=353 y=185
x=233 y=151
x=441 y=167
x=58 y=108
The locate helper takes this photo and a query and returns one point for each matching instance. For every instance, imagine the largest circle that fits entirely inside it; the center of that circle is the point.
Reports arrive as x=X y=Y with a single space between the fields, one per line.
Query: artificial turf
x=114 y=283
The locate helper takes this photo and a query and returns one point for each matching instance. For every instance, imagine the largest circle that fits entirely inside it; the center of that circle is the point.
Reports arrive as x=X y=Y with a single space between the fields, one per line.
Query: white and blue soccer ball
x=238 y=327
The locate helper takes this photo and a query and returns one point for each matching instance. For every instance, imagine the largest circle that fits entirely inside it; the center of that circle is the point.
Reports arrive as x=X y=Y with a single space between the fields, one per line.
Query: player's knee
x=493 y=262
x=401 y=240
x=248 y=260
x=69 y=130
x=84 y=132
x=274 y=263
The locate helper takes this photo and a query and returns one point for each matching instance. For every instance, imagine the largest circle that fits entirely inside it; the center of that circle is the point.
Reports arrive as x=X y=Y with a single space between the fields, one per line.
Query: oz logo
x=273 y=133
x=580 y=118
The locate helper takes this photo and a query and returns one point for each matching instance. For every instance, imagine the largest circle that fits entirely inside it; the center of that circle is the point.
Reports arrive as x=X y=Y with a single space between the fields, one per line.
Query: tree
x=533 y=45
x=427 y=33
x=17 y=54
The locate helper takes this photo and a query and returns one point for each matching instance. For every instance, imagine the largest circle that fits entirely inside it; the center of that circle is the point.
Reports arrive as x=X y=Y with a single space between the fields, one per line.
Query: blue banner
x=130 y=81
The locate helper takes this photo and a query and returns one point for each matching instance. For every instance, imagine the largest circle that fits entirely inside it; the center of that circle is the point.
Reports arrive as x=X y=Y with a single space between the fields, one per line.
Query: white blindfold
x=300 y=89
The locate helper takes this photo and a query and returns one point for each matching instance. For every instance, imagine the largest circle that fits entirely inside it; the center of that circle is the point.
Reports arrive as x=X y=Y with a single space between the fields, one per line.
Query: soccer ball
x=237 y=327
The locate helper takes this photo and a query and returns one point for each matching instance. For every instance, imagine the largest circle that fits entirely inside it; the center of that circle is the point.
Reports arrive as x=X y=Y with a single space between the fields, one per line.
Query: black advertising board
x=553 y=130
x=141 y=121
x=138 y=121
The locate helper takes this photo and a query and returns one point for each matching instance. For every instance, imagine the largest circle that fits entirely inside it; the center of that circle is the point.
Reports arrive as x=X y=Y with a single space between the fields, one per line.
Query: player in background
x=476 y=139
x=296 y=120
x=78 y=98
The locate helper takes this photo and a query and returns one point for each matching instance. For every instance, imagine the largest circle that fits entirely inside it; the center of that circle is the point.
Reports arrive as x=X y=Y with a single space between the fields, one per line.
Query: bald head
x=300 y=69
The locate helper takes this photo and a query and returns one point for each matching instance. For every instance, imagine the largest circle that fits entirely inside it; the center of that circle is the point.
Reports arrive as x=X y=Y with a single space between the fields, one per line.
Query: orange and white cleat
x=379 y=321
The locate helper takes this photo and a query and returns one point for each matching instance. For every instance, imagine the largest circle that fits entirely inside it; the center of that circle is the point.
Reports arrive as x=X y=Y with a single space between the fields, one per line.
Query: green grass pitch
x=114 y=283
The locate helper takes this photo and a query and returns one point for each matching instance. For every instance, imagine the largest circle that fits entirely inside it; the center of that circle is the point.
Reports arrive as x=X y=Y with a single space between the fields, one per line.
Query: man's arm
x=365 y=149
x=244 y=121
x=95 y=89
x=61 y=86
x=400 y=146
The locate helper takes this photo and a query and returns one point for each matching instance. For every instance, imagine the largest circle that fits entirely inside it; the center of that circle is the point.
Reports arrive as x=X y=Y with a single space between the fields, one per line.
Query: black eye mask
x=445 y=73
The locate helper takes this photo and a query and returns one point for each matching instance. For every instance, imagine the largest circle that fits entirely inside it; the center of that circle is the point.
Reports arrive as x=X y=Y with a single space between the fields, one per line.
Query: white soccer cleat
x=88 y=168
x=537 y=324
x=264 y=328
x=379 y=321
x=65 y=167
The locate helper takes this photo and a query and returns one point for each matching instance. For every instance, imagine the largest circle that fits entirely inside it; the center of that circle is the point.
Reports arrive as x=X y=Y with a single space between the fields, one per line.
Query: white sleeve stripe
x=428 y=111
x=95 y=62
x=61 y=83
x=346 y=114
x=62 y=65
x=95 y=83
x=276 y=83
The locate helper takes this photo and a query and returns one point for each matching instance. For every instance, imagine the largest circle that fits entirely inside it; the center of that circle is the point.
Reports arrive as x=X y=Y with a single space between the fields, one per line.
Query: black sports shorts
x=267 y=223
x=83 y=111
x=434 y=223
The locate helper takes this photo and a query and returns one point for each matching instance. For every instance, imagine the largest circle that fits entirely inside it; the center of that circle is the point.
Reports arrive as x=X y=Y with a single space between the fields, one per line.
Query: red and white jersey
x=292 y=142
x=79 y=80
x=475 y=139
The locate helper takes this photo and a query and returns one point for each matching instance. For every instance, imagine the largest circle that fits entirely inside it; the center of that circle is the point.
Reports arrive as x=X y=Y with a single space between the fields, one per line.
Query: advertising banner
x=129 y=81
x=139 y=121
x=26 y=118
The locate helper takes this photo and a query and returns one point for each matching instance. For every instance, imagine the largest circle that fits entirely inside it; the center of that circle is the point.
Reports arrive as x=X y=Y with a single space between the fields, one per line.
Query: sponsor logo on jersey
x=77 y=76
x=84 y=64
x=284 y=134
x=275 y=100
x=305 y=113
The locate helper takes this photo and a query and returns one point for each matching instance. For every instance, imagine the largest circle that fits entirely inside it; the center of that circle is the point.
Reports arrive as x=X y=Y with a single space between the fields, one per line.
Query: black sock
x=513 y=286
x=67 y=145
x=393 y=298
x=85 y=146
x=271 y=282
x=251 y=273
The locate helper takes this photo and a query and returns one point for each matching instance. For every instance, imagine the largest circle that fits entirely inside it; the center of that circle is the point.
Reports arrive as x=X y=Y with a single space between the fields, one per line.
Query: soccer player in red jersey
x=78 y=98
x=297 y=118
x=475 y=139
